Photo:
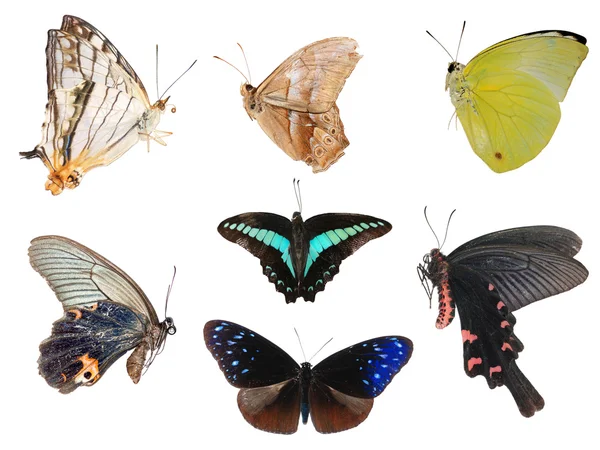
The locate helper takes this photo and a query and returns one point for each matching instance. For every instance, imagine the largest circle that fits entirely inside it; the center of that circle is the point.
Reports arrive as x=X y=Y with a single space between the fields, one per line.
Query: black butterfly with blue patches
x=486 y=280
x=275 y=391
x=301 y=257
x=106 y=314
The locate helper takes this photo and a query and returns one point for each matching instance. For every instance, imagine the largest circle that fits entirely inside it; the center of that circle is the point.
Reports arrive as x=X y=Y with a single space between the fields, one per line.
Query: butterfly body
x=301 y=257
x=97 y=106
x=105 y=315
x=295 y=105
x=275 y=392
x=490 y=277
x=507 y=97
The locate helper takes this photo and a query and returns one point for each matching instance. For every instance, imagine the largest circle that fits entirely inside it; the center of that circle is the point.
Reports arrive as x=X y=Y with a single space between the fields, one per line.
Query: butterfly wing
x=489 y=344
x=334 y=237
x=509 y=109
x=87 y=126
x=269 y=397
x=267 y=236
x=318 y=139
x=80 y=52
x=296 y=107
x=311 y=79
x=345 y=384
x=524 y=264
x=86 y=341
x=81 y=277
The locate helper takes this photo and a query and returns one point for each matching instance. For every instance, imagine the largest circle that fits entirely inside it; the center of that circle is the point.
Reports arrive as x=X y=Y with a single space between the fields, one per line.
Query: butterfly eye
x=249 y=87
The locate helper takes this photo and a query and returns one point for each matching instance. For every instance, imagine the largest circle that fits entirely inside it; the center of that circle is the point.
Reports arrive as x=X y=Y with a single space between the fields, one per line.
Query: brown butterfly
x=296 y=107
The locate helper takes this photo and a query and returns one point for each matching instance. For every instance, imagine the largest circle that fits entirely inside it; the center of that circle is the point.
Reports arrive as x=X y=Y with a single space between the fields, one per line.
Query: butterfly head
x=161 y=104
x=455 y=72
x=251 y=105
x=430 y=271
x=169 y=325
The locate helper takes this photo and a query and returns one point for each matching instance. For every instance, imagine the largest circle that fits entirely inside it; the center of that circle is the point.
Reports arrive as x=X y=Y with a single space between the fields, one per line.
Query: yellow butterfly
x=507 y=97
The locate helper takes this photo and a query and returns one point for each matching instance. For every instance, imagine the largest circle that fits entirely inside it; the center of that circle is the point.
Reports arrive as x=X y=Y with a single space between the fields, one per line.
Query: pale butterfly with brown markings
x=295 y=105
x=97 y=106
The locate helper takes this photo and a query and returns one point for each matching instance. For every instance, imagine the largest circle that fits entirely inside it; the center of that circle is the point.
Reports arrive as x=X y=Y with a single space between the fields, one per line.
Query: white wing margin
x=79 y=276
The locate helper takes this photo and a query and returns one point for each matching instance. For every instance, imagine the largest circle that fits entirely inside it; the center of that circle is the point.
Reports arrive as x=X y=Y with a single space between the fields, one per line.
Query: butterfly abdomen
x=306 y=377
x=438 y=272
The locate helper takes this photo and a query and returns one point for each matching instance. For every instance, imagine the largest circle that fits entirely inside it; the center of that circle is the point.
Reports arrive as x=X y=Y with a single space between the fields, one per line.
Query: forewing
x=311 y=79
x=331 y=411
x=542 y=237
x=318 y=139
x=79 y=52
x=489 y=343
x=247 y=359
x=81 y=277
x=508 y=116
x=86 y=341
x=267 y=236
x=365 y=369
x=524 y=272
x=274 y=408
x=552 y=57
x=334 y=237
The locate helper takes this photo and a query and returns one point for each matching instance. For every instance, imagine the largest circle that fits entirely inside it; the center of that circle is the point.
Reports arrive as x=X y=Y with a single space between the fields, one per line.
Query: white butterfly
x=97 y=106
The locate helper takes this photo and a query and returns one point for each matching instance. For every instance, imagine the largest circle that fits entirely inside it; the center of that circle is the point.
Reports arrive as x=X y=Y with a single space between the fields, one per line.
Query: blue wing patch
x=325 y=240
x=267 y=237
x=365 y=369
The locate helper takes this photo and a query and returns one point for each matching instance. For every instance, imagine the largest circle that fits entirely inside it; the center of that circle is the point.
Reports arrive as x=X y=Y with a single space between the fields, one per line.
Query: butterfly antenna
x=460 y=40
x=430 y=227
x=300 y=342
x=438 y=43
x=322 y=347
x=169 y=289
x=157 y=96
x=247 y=66
x=178 y=78
x=227 y=62
x=447 y=226
x=298 y=194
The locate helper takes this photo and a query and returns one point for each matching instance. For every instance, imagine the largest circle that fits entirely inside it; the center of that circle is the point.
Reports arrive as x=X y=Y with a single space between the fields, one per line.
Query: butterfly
x=489 y=278
x=295 y=105
x=97 y=106
x=338 y=392
x=507 y=97
x=301 y=257
x=106 y=314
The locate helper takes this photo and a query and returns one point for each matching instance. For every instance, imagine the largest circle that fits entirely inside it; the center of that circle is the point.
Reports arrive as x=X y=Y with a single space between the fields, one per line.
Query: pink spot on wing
x=496 y=369
x=500 y=305
x=505 y=324
x=490 y=287
x=506 y=346
x=467 y=336
x=472 y=362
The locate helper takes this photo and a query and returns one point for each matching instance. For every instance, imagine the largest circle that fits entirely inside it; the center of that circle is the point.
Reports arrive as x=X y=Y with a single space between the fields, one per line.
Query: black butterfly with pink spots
x=489 y=278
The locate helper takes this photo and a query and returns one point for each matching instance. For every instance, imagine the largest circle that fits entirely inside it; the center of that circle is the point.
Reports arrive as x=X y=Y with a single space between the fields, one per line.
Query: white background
x=148 y=212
